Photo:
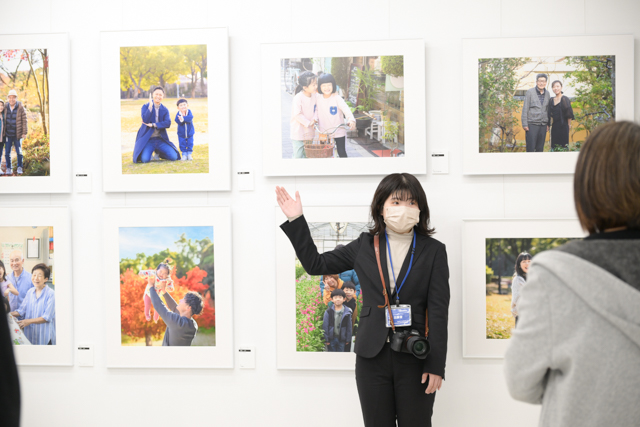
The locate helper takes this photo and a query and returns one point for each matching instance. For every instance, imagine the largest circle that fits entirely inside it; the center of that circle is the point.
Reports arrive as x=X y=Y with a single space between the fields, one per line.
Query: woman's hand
x=435 y=382
x=24 y=323
x=290 y=207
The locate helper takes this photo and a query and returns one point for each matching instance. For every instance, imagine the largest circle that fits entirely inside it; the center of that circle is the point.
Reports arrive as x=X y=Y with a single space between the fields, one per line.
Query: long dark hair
x=4 y=272
x=522 y=257
x=403 y=186
x=305 y=80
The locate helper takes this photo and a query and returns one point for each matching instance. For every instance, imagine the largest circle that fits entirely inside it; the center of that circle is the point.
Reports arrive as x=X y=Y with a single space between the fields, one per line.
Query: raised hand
x=290 y=207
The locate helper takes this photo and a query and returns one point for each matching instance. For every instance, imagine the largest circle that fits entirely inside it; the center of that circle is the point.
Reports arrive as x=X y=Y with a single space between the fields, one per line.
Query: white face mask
x=401 y=219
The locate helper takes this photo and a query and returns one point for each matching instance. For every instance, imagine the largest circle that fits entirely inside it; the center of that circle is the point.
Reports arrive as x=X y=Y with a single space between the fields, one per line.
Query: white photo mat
x=474 y=236
x=218 y=356
x=415 y=159
x=60 y=354
x=59 y=180
x=219 y=176
x=476 y=163
x=287 y=355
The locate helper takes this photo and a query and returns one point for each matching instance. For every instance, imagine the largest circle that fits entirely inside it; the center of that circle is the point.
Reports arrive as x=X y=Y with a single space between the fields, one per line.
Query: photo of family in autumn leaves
x=328 y=307
x=507 y=265
x=167 y=286
x=24 y=112
x=164 y=109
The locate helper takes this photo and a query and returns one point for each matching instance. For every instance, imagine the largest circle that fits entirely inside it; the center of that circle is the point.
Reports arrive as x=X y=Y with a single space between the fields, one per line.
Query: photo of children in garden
x=340 y=107
x=328 y=307
x=24 y=112
x=544 y=103
x=507 y=265
x=27 y=283
x=167 y=286
x=164 y=109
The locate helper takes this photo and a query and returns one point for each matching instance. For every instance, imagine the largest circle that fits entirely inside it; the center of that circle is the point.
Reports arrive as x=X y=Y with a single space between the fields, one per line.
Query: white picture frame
x=415 y=160
x=476 y=163
x=474 y=234
x=287 y=355
x=59 y=179
x=57 y=217
x=219 y=356
x=219 y=176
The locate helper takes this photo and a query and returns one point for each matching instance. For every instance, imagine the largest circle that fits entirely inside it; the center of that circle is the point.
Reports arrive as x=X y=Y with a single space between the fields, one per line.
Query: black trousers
x=342 y=152
x=535 y=138
x=390 y=389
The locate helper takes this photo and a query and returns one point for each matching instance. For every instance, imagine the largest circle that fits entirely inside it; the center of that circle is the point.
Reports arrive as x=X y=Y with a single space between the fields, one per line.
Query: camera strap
x=376 y=246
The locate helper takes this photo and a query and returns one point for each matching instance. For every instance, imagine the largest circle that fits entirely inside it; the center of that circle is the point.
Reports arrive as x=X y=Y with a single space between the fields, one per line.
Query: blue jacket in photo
x=185 y=128
x=329 y=328
x=145 y=132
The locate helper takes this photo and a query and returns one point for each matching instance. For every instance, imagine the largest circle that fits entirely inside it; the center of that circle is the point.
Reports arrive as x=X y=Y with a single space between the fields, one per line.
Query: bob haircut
x=402 y=186
x=606 y=184
x=327 y=78
x=522 y=257
x=42 y=267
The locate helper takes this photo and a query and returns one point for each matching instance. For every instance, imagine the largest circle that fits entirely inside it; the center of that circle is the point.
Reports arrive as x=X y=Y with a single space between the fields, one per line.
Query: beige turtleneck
x=400 y=245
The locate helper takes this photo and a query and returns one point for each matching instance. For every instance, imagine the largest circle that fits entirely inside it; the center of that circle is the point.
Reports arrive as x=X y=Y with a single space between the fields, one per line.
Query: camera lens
x=419 y=348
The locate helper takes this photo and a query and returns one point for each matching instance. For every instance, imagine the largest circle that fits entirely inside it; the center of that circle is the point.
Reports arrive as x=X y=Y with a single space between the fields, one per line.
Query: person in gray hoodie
x=576 y=348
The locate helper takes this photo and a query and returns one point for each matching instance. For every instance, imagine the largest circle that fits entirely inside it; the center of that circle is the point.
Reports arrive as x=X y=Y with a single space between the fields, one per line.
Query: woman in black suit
x=561 y=112
x=392 y=385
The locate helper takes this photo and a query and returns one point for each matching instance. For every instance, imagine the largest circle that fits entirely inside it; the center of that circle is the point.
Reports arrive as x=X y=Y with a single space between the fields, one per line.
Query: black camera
x=410 y=341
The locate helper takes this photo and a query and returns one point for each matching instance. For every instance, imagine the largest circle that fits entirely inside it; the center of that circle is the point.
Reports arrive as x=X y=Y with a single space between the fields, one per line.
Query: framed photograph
x=35 y=108
x=165 y=110
x=168 y=288
x=530 y=103
x=305 y=307
x=343 y=108
x=37 y=288
x=496 y=255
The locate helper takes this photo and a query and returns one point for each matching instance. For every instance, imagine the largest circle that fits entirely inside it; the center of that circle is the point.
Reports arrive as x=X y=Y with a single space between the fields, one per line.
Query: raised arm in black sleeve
x=332 y=262
x=438 y=307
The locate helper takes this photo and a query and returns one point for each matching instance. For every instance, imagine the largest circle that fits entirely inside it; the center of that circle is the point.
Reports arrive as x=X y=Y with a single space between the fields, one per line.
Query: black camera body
x=410 y=341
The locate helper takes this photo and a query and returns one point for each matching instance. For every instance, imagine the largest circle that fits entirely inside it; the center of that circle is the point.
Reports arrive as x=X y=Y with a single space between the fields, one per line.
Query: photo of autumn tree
x=587 y=81
x=189 y=251
x=27 y=72
x=500 y=274
x=181 y=71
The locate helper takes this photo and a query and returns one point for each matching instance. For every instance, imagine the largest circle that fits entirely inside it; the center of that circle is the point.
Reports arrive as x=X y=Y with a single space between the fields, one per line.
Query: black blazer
x=426 y=287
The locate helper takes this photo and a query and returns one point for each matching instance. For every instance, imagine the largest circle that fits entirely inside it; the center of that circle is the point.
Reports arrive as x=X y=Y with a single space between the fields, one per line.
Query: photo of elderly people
x=328 y=307
x=27 y=284
x=164 y=109
x=545 y=103
x=507 y=265
x=339 y=107
x=24 y=112
x=167 y=286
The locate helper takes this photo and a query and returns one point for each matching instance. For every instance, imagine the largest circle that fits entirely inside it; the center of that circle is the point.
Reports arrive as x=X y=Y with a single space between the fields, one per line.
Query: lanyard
x=413 y=250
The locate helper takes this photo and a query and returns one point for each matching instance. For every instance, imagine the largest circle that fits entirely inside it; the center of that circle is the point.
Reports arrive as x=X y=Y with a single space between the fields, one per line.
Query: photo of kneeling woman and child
x=168 y=296
x=328 y=306
x=27 y=283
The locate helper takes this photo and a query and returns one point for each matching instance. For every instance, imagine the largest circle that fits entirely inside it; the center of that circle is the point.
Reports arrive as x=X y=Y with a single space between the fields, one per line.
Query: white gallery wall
x=474 y=393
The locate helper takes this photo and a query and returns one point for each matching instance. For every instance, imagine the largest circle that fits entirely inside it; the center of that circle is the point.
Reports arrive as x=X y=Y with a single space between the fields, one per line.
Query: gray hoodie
x=576 y=349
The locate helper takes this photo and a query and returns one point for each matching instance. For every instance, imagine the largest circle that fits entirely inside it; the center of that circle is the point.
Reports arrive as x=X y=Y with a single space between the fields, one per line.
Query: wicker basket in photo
x=320 y=148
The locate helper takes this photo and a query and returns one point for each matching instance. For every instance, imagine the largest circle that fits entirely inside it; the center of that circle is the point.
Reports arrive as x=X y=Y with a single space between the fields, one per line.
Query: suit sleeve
x=529 y=356
x=9 y=382
x=171 y=319
x=349 y=329
x=438 y=308
x=332 y=262
x=325 y=325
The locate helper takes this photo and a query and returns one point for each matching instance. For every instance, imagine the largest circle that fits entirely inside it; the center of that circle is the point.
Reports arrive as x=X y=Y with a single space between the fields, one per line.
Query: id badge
x=401 y=315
